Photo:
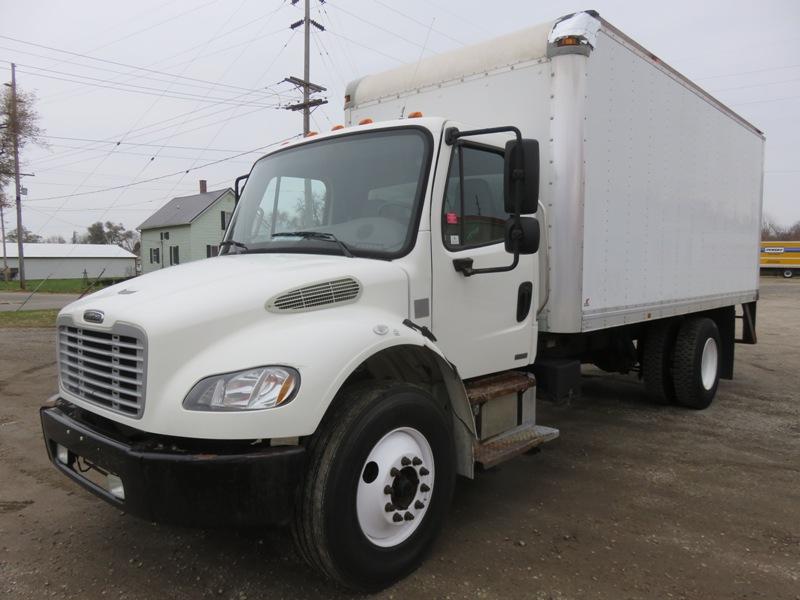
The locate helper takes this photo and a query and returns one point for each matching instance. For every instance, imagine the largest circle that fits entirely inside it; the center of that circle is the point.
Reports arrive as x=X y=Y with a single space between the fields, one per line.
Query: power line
x=376 y=26
x=375 y=50
x=768 y=100
x=747 y=72
x=160 y=177
x=138 y=89
x=418 y=22
x=752 y=85
x=138 y=132
x=74 y=139
x=119 y=64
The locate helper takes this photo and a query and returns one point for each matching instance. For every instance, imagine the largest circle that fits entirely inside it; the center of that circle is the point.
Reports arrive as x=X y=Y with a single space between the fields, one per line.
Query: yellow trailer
x=780 y=257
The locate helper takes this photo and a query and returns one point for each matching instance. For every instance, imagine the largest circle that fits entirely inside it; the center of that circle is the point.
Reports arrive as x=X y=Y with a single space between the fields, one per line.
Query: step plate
x=496 y=386
x=512 y=443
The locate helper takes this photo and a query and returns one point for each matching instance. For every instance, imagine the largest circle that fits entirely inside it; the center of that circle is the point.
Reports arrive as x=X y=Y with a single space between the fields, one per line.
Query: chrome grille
x=337 y=291
x=104 y=367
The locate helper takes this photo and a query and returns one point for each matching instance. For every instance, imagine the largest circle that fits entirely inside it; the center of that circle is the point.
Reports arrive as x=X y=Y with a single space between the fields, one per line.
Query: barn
x=72 y=261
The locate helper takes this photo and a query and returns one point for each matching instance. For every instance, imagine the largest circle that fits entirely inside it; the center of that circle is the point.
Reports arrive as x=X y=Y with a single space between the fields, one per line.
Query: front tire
x=378 y=484
x=788 y=274
x=695 y=363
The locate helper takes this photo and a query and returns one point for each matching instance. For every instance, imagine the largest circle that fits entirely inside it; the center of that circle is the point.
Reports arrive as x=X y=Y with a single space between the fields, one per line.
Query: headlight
x=253 y=389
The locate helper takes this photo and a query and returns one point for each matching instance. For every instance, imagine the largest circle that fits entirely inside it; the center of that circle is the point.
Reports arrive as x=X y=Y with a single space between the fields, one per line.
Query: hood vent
x=316 y=296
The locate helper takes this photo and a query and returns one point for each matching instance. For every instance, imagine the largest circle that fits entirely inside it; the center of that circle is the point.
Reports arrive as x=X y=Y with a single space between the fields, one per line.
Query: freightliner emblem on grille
x=93 y=316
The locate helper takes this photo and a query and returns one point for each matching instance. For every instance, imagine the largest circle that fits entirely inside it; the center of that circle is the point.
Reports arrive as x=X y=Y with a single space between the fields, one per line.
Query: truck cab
x=216 y=391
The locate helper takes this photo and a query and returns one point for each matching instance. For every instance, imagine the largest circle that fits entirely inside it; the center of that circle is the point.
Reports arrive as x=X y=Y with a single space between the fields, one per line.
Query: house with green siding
x=186 y=228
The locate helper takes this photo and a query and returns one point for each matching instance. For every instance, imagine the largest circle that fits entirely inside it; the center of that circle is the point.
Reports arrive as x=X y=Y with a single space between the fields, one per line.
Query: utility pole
x=305 y=83
x=15 y=124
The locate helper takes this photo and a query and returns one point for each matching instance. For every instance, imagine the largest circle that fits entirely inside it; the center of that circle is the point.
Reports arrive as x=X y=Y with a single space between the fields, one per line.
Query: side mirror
x=521 y=177
x=522 y=239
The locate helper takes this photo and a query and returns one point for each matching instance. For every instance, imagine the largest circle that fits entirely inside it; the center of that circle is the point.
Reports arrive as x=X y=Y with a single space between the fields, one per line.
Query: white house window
x=155 y=256
x=211 y=250
x=174 y=257
x=224 y=219
x=165 y=235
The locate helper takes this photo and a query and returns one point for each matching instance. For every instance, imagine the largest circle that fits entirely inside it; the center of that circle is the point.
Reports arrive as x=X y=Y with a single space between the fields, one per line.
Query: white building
x=72 y=261
x=186 y=228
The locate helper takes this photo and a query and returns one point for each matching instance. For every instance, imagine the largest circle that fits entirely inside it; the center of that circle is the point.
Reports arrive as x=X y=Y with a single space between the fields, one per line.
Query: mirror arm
x=464 y=265
x=237 y=193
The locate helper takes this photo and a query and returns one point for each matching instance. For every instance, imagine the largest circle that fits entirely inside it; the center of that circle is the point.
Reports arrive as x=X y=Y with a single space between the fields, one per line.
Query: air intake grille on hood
x=318 y=295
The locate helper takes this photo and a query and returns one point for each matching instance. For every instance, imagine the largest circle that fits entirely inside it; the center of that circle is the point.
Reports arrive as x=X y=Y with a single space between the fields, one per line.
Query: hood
x=229 y=287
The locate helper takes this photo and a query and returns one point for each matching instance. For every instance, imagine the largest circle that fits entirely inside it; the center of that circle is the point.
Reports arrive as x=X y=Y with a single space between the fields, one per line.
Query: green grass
x=28 y=318
x=53 y=286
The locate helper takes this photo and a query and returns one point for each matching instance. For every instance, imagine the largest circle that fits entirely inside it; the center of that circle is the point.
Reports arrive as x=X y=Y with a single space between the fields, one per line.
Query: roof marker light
x=310 y=134
x=570 y=40
x=414 y=115
x=337 y=127
x=366 y=121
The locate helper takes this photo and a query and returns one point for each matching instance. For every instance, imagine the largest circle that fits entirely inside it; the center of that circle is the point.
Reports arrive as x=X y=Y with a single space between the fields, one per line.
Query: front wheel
x=788 y=273
x=378 y=484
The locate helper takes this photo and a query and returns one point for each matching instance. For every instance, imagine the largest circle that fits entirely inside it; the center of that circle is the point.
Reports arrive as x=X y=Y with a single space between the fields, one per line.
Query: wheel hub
x=404 y=488
x=709 y=363
x=395 y=487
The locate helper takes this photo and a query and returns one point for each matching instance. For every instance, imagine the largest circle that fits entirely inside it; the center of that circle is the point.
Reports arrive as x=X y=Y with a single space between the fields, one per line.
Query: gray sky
x=231 y=54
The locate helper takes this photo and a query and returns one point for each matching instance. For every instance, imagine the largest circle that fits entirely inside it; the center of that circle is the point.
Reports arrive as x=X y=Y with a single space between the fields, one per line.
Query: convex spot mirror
x=523 y=239
x=521 y=177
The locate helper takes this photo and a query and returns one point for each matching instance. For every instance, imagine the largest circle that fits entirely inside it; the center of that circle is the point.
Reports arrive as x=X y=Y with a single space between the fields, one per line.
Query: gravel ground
x=633 y=501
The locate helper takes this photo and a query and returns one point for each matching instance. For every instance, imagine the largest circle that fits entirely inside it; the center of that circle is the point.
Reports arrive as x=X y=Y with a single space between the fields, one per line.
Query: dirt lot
x=634 y=501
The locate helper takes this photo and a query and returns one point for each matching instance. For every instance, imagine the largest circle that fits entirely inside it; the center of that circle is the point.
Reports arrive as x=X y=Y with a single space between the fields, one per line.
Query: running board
x=512 y=443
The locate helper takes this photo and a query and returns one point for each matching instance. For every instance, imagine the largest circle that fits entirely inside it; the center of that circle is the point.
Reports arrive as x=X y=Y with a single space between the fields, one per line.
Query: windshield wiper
x=317 y=235
x=227 y=243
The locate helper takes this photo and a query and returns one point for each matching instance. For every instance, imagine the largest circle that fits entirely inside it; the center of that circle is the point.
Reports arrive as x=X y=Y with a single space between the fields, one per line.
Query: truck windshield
x=364 y=190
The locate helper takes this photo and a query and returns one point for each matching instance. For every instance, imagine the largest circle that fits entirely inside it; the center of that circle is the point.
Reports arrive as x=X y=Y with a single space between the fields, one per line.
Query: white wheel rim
x=400 y=456
x=708 y=363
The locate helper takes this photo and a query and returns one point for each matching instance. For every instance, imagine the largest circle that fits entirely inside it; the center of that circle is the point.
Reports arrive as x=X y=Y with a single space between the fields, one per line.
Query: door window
x=480 y=220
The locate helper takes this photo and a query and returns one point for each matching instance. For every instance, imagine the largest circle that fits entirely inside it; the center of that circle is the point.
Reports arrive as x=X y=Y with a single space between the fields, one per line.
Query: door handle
x=524 y=298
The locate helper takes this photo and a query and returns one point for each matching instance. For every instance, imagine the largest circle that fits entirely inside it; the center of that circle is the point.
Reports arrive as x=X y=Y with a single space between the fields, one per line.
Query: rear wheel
x=695 y=364
x=657 y=361
x=378 y=484
x=788 y=273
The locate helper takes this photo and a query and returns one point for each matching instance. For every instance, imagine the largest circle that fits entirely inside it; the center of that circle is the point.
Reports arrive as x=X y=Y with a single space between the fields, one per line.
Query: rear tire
x=657 y=361
x=788 y=274
x=359 y=477
x=695 y=363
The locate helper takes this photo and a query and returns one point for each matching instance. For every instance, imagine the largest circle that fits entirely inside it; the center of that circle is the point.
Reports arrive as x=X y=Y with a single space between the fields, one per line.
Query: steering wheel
x=403 y=216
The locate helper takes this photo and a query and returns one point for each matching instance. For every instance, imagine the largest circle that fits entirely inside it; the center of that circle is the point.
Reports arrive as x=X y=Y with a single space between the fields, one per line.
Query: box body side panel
x=672 y=205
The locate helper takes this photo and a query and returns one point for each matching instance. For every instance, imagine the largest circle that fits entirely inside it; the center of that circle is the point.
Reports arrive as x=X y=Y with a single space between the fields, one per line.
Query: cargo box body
x=650 y=188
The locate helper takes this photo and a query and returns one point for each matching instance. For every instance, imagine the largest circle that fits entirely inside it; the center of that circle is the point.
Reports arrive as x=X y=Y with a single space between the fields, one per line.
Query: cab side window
x=480 y=220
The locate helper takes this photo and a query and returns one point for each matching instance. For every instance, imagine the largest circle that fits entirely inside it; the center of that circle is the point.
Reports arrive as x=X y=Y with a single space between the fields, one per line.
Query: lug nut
x=408 y=516
x=423 y=471
x=394 y=472
x=424 y=488
x=387 y=490
x=397 y=518
x=389 y=507
x=417 y=461
x=405 y=461
x=419 y=505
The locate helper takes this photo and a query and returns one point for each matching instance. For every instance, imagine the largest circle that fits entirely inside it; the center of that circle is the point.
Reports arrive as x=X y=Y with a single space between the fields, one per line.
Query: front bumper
x=174 y=480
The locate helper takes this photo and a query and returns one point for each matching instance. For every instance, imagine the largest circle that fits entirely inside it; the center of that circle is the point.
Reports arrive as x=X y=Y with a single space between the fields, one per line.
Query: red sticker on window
x=452 y=218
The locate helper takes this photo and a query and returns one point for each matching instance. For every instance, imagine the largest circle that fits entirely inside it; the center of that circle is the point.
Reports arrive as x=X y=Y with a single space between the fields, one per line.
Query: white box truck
x=390 y=292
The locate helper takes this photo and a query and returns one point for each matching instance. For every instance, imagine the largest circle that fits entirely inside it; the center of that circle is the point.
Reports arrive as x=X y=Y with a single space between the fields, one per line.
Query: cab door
x=484 y=323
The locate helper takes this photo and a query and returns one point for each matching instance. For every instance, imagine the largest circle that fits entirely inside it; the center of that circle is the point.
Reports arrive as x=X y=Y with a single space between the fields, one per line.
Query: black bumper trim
x=196 y=488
